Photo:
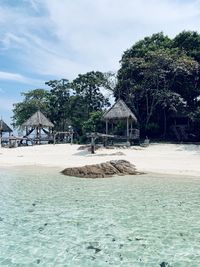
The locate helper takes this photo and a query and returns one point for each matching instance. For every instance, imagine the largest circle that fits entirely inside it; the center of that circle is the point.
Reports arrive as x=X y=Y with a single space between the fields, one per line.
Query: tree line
x=78 y=103
x=158 y=79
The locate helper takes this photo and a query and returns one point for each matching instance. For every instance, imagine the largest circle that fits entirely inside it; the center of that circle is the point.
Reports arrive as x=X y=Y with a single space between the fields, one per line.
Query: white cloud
x=72 y=37
x=8 y=76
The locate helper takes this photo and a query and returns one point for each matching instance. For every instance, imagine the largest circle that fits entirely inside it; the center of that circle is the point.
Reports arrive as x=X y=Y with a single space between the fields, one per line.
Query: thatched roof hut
x=4 y=128
x=36 y=123
x=38 y=119
x=119 y=111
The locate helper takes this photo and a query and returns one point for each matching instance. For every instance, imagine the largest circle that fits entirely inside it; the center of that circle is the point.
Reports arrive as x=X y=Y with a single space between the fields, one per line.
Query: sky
x=53 y=39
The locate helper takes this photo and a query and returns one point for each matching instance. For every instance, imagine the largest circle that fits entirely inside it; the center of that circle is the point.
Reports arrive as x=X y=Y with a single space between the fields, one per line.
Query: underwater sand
x=47 y=219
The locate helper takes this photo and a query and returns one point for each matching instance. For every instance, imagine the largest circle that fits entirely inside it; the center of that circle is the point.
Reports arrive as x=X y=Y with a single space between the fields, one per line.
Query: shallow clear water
x=47 y=219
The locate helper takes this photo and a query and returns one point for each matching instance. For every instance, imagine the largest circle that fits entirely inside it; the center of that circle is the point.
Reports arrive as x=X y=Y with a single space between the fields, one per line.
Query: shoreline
x=28 y=169
x=170 y=159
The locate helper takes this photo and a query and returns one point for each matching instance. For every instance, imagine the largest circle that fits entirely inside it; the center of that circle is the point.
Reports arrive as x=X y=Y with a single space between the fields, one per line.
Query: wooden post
x=127 y=126
x=49 y=134
x=106 y=126
x=40 y=137
x=37 y=135
x=26 y=136
x=10 y=142
x=131 y=128
x=54 y=142
x=92 y=144
x=72 y=137
x=105 y=143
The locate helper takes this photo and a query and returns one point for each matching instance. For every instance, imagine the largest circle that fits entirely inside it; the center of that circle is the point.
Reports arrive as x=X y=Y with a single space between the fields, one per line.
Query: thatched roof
x=4 y=127
x=119 y=111
x=38 y=120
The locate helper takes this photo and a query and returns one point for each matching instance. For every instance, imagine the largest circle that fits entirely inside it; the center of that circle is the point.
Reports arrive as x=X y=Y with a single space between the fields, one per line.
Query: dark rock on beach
x=107 y=169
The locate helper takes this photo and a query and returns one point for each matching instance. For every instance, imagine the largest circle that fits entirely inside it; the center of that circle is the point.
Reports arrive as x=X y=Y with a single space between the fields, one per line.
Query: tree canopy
x=33 y=101
x=159 y=75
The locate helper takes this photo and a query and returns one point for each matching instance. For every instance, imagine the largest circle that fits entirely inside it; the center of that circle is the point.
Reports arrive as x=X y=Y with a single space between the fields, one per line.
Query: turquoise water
x=47 y=219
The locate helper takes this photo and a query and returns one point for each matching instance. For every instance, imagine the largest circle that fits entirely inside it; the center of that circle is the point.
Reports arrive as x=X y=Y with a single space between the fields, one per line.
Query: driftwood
x=102 y=170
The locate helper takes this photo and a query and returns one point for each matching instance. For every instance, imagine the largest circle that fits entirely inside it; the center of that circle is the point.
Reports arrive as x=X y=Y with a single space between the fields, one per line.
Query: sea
x=48 y=219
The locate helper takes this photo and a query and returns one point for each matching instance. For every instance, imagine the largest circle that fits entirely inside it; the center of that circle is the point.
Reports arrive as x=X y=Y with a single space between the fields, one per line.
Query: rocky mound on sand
x=107 y=169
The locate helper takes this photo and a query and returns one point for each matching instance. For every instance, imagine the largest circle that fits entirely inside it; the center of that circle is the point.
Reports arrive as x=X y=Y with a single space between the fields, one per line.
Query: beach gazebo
x=120 y=112
x=37 y=123
x=4 y=128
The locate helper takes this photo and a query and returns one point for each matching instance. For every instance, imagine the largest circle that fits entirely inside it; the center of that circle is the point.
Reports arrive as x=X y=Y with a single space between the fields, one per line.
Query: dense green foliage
x=78 y=103
x=159 y=79
x=33 y=101
x=59 y=103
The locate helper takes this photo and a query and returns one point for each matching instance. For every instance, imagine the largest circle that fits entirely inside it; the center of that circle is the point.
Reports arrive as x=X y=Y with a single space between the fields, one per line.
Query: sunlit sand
x=157 y=158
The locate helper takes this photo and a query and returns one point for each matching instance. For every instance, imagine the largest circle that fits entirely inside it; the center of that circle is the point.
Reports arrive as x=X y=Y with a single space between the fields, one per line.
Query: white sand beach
x=157 y=158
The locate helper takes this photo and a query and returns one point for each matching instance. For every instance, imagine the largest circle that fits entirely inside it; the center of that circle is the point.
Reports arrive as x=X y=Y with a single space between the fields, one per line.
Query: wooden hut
x=4 y=128
x=37 y=123
x=120 y=111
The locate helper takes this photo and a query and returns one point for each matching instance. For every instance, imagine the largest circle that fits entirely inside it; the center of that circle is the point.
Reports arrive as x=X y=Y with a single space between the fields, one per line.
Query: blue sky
x=53 y=39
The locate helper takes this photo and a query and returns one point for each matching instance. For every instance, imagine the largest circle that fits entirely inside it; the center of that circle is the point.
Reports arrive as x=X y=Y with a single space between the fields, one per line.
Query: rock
x=124 y=167
x=107 y=169
x=165 y=264
x=138 y=239
x=97 y=250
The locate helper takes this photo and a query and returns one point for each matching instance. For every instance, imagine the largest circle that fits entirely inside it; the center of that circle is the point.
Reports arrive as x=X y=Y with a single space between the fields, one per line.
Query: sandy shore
x=157 y=158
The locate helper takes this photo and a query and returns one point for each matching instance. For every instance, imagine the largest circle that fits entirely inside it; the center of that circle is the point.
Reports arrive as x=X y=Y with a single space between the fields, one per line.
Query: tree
x=148 y=81
x=94 y=122
x=33 y=101
x=59 y=103
x=89 y=86
x=189 y=42
x=77 y=113
x=152 y=43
